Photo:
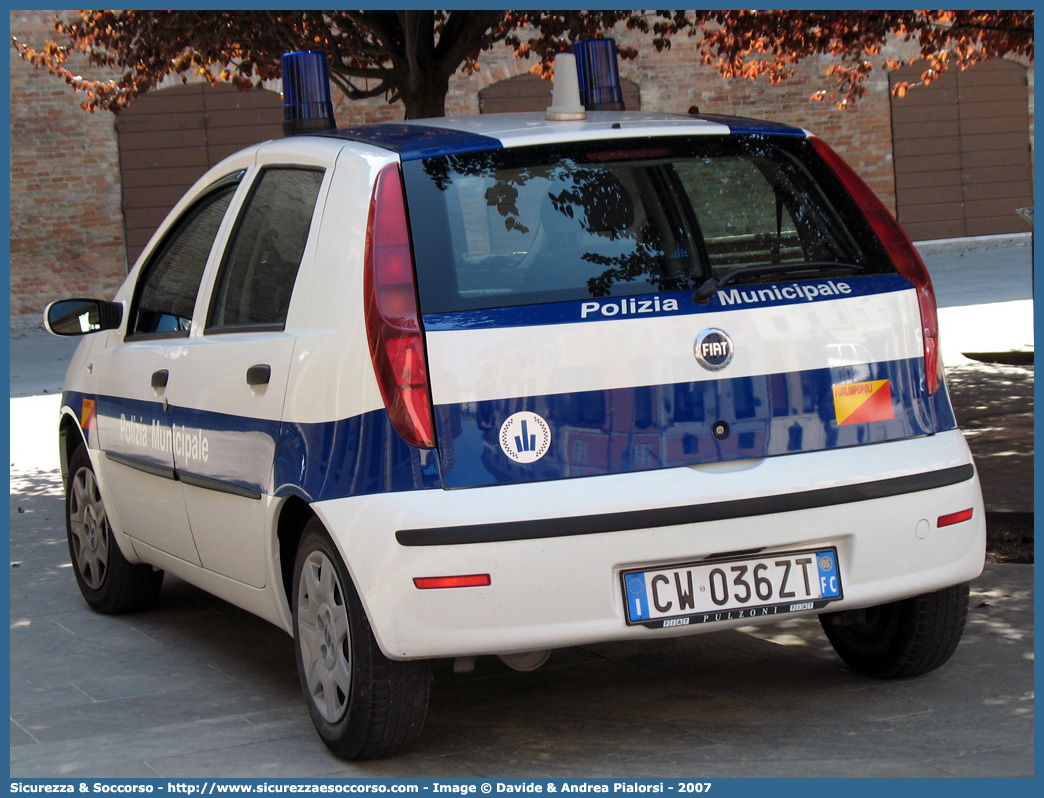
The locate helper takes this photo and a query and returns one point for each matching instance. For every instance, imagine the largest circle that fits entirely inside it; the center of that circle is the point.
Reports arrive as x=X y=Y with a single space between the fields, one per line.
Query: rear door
x=564 y=337
x=227 y=394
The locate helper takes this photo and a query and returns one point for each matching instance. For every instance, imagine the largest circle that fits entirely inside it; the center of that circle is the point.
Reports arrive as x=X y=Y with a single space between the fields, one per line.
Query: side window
x=260 y=266
x=167 y=288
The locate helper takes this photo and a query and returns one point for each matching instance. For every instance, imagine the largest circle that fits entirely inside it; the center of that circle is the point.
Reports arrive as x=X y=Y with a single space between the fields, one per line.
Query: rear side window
x=555 y=223
x=257 y=276
x=166 y=292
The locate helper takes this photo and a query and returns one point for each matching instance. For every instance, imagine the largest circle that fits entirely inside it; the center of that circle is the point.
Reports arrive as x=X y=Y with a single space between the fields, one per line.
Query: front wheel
x=364 y=705
x=901 y=639
x=108 y=582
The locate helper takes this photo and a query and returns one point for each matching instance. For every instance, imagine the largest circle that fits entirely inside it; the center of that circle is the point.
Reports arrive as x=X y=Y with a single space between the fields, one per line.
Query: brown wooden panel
x=992 y=93
x=1012 y=157
x=936 y=128
x=242 y=136
x=145 y=224
x=905 y=114
x=148 y=218
x=631 y=96
x=153 y=196
x=995 y=125
x=917 y=147
x=1009 y=109
x=909 y=71
x=178 y=90
x=146 y=178
x=154 y=158
x=992 y=73
x=230 y=98
x=169 y=138
x=245 y=118
x=137 y=238
x=929 y=231
x=995 y=225
x=151 y=123
x=934 y=212
x=995 y=142
x=530 y=93
x=162 y=102
x=945 y=81
x=994 y=160
x=1015 y=190
x=502 y=105
x=939 y=179
x=933 y=196
x=928 y=163
x=518 y=86
x=215 y=154
x=985 y=174
x=930 y=96
x=178 y=138
x=997 y=207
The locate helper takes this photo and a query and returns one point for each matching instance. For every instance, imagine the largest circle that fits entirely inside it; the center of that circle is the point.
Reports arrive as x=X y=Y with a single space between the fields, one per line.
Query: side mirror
x=82 y=316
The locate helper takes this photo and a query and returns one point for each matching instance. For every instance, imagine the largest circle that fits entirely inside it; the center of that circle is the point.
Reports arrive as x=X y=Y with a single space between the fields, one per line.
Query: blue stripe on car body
x=666 y=426
x=594 y=432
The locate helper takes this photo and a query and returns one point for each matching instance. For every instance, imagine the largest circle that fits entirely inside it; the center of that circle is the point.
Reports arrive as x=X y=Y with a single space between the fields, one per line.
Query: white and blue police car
x=503 y=384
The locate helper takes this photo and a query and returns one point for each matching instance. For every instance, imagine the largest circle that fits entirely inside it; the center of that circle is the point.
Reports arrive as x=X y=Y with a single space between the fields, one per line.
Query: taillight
x=392 y=317
x=901 y=250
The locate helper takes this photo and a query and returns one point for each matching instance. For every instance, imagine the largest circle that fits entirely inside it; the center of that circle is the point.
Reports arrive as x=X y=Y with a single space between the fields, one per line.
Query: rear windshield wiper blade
x=712 y=285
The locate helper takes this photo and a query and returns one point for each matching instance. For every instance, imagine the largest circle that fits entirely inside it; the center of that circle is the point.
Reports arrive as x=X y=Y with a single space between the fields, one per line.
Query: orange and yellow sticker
x=87 y=414
x=860 y=402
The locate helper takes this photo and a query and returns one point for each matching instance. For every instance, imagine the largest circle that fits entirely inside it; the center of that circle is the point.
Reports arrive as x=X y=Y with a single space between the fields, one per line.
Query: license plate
x=726 y=590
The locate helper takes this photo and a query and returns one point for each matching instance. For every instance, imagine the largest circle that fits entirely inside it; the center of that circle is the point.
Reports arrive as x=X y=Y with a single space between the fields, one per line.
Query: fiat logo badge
x=713 y=349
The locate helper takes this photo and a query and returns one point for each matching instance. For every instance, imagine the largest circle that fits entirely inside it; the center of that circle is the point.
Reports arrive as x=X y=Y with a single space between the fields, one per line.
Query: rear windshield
x=542 y=224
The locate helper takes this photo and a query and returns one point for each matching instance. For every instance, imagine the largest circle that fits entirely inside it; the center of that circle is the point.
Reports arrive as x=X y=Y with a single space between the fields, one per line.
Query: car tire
x=109 y=583
x=363 y=705
x=902 y=639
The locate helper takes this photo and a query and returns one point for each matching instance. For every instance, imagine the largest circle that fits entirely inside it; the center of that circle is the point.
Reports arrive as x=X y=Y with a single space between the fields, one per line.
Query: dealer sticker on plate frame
x=733 y=589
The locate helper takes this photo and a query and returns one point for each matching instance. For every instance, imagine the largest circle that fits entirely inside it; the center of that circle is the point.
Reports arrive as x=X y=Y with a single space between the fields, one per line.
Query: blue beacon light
x=306 y=93
x=598 y=75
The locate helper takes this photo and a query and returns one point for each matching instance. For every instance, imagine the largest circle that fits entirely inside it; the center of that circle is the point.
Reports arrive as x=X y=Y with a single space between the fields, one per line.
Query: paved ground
x=984 y=294
x=197 y=688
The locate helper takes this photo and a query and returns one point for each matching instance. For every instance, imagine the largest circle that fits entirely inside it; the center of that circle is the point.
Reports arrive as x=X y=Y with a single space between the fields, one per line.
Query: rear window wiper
x=740 y=273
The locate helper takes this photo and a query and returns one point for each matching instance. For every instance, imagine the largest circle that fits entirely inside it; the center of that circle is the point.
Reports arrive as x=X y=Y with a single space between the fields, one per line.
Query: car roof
x=423 y=138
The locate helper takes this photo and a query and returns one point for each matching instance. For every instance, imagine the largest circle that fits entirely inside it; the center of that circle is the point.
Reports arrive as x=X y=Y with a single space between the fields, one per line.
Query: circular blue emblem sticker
x=713 y=349
x=525 y=437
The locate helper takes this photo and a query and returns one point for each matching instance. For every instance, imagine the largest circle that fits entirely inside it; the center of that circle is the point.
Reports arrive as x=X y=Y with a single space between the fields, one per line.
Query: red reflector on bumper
x=438 y=582
x=955 y=518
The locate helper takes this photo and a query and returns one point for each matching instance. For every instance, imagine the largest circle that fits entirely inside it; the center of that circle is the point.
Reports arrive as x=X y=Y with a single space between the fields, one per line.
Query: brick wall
x=66 y=222
x=66 y=219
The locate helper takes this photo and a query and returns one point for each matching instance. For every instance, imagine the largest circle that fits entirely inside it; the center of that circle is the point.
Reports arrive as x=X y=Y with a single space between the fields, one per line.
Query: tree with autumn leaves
x=410 y=55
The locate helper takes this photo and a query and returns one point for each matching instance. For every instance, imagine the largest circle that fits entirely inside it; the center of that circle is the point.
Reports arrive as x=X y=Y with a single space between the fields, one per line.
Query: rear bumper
x=555 y=551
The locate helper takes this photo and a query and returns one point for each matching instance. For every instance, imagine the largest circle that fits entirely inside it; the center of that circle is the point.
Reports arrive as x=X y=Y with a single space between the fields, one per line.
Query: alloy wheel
x=89 y=524
x=326 y=649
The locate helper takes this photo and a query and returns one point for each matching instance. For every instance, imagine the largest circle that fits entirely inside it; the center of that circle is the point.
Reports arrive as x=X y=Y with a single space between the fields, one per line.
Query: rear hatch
x=575 y=326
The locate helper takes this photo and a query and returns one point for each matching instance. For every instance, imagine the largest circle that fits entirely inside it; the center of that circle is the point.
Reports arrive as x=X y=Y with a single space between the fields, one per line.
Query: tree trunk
x=425 y=95
x=426 y=85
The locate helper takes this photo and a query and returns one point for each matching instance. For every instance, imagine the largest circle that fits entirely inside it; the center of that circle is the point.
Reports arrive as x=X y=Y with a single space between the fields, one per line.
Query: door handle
x=258 y=375
x=159 y=379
